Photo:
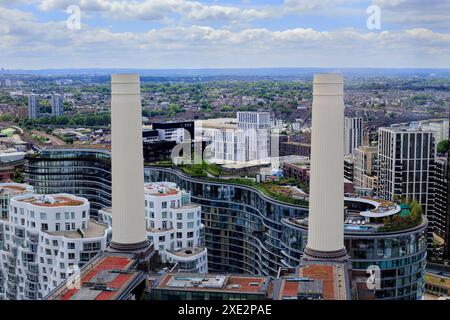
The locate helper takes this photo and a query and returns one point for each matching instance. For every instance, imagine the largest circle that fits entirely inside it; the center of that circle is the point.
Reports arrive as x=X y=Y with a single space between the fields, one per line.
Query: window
x=70 y=245
x=67 y=226
x=190 y=225
x=190 y=234
x=32 y=214
x=91 y=246
x=73 y=226
x=162 y=238
x=179 y=235
x=57 y=226
x=190 y=215
x=67 y=215
x=164 y=205
x=164 y=224
x=179 y=216
x=152 y=214
x=179 y=225
x=172 y=204
x=58 y=216
x=43 y=216
x=55 y=243
x=83 y=215
x=179 y=244
x=71 y=255
x=72 y=215
x=164 y=214
x=151 y=204
x=44 y=226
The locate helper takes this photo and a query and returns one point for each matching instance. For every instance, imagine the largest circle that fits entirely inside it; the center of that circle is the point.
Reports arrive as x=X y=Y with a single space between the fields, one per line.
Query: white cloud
x=162 y=9
x=26 y=42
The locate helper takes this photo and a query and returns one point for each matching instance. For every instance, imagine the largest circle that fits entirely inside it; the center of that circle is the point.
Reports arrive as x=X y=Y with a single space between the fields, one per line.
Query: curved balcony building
x=81 y=170
x=249 y=232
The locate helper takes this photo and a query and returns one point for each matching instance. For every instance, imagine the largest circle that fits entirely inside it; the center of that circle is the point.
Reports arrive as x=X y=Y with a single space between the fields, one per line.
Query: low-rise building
x=173 y=225
x=47 y=238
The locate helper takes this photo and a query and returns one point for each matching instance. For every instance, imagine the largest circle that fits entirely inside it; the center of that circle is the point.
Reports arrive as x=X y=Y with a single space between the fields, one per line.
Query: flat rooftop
x=187 y=252
x=189 y=206
x=218 y=283
x=94 y=230
x=161 y=189
x=110 y=276
x=14 y=188
x=52 y=200
x=333 y=276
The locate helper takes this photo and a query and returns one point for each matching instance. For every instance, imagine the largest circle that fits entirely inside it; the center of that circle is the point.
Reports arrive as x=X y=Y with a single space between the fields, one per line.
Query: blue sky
x=224 y=34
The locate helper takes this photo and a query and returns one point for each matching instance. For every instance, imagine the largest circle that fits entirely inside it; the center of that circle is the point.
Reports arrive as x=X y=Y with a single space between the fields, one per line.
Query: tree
x=443 y=146
x=6 y=117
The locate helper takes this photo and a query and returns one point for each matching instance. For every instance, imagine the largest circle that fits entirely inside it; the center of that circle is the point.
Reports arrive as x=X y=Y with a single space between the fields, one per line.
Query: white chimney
x=326 y=206
x=127 y=164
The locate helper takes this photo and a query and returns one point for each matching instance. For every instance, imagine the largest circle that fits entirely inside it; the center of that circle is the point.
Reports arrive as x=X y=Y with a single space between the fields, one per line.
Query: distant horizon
x=237 y=71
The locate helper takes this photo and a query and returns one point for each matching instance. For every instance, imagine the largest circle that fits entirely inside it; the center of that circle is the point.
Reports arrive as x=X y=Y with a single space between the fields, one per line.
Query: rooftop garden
x=407 y=219
x=277 y=190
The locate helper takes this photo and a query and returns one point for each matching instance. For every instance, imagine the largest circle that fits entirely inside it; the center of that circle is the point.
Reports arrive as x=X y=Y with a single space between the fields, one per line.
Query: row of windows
x=43 y=215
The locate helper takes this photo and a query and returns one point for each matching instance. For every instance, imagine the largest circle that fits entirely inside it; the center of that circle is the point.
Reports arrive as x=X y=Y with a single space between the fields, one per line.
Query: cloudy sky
x=35 y=34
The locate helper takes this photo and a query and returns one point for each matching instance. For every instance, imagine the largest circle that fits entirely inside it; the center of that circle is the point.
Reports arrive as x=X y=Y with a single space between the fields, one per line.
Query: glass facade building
x=82 y=171
x=400 y=256
x=242 y=226
x=247 y=232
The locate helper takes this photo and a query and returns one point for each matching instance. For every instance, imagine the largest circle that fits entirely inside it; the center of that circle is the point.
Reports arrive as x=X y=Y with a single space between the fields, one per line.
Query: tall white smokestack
x=326 y=206
x=129 y=225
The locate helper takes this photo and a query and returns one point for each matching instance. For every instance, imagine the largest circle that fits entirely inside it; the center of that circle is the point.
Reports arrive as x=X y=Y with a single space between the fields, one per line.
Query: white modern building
x=248 y=140
x=33 y=106
x=354 y=132
x=47 y=238
x=171 y=134
x=440 y=128
x=173 y=225
x=57 y=105
x=253 y=120
x=405 y=162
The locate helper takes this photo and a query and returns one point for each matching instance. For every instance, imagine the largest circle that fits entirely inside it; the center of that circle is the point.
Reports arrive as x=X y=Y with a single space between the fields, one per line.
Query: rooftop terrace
x=187 y=252
x=14 y=188
x=52 y=200
x=110 y=276
x=94 y=230
x=219 y=283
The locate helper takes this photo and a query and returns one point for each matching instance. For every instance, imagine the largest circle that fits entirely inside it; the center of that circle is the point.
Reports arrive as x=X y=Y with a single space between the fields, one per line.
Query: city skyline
x=226 y=34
